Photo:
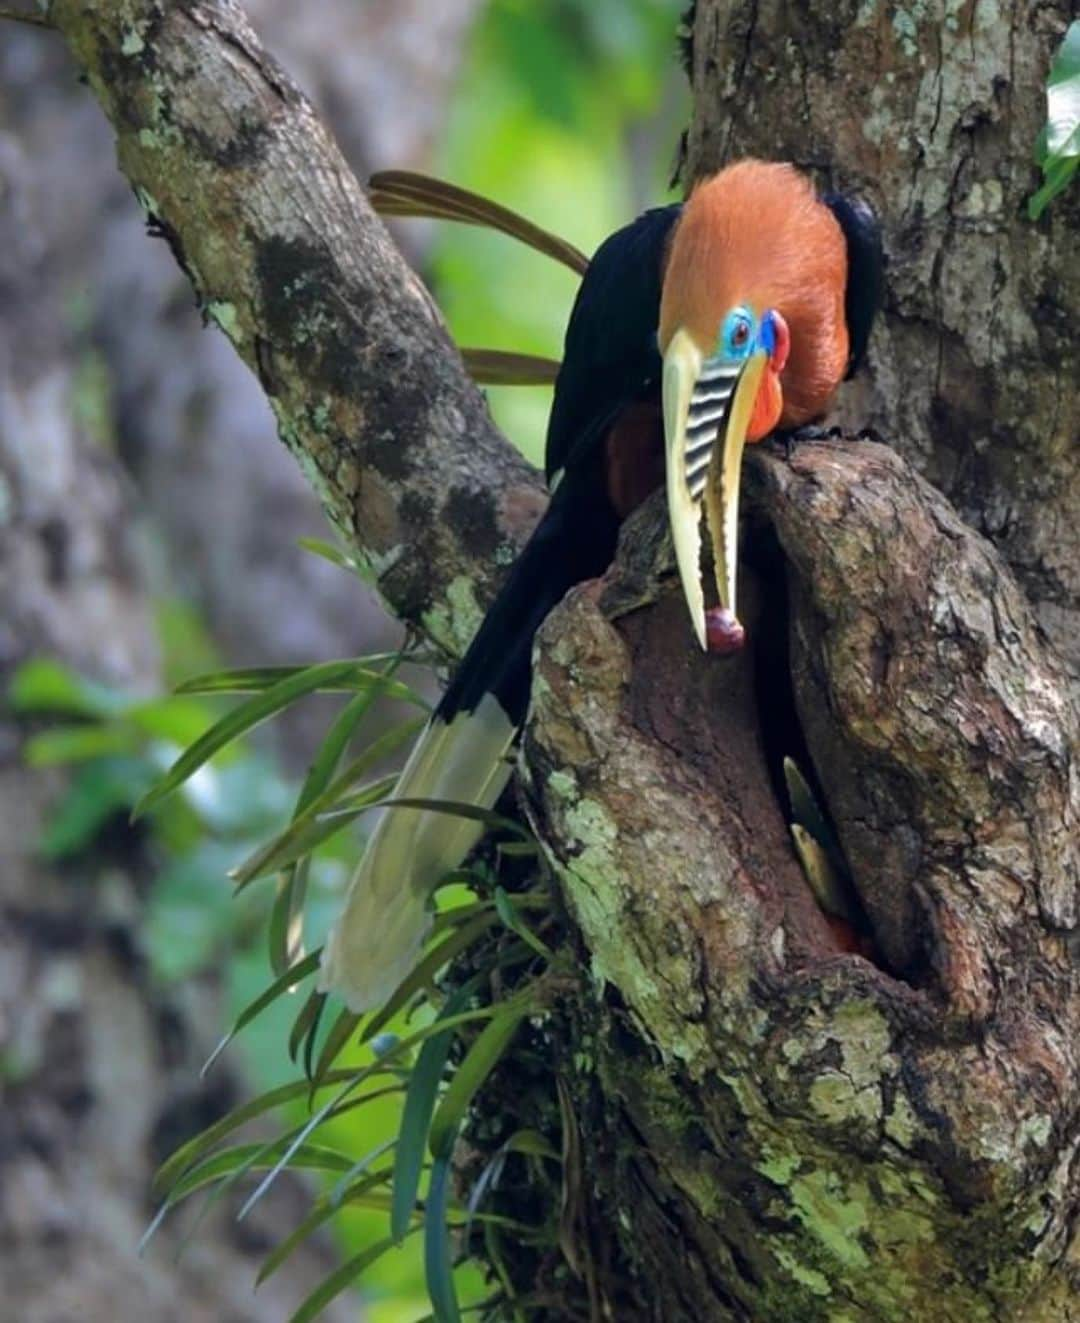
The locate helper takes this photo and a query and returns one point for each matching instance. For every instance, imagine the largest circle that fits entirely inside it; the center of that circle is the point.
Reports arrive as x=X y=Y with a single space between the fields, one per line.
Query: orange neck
x=767 y=407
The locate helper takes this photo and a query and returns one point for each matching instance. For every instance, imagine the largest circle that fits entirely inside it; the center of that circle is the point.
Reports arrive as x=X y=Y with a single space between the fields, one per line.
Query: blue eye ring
x=737 y=333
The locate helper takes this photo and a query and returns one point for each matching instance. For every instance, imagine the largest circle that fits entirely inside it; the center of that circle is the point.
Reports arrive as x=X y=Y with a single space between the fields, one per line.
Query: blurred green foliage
x=569 y=113
x=1057 y=151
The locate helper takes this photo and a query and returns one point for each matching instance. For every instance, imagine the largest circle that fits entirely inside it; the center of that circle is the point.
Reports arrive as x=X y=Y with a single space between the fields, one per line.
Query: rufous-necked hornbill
x=696 y=328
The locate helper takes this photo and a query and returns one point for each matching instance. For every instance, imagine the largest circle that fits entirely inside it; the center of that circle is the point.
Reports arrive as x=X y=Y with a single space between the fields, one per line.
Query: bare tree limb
x=237 y=173
x=28 y=16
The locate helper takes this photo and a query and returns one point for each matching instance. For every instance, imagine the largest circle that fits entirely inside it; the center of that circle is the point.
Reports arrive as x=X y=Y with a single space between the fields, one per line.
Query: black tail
x=461 y=755
x=575 y=540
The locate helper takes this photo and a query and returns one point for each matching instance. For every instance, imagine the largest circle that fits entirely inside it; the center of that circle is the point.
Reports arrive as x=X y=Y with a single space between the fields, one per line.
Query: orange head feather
x=756 y=235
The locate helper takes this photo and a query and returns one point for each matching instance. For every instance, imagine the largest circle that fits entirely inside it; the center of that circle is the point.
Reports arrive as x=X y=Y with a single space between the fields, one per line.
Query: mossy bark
x=772 y=1129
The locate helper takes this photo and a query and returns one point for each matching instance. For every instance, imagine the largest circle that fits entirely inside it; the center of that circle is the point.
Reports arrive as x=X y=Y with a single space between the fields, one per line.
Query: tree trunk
x=98 y=1063
x=770 y=1129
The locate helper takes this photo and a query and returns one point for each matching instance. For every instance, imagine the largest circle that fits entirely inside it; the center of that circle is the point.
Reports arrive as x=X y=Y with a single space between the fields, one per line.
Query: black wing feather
x=866 y=269
x=610 y=356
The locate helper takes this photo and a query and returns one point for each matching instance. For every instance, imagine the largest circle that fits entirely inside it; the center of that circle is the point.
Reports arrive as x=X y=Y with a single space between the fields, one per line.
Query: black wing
x=866 y=269
x=610 y=356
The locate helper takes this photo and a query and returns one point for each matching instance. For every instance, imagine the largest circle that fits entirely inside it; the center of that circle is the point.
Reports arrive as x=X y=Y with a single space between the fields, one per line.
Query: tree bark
x=773 y=1129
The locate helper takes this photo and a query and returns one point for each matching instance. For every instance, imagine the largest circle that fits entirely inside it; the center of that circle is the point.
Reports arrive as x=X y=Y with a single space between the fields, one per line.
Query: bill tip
x=723 y=632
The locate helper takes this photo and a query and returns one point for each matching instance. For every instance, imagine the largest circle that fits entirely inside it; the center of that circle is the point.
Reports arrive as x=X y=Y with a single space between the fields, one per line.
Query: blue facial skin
x=741 y=335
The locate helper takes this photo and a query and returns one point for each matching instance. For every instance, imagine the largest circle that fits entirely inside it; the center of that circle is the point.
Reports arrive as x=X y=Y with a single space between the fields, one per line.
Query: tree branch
x=27 y=16
x=236 y=172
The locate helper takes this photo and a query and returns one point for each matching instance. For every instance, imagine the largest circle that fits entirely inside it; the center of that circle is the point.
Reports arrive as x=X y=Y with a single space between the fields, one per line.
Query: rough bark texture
x=774 y=1130
x=804 y=1135
x=233 y=167
x=98 y=1063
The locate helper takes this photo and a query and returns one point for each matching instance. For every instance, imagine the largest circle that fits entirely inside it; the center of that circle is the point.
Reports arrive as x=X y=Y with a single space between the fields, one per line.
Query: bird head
x=753 y=337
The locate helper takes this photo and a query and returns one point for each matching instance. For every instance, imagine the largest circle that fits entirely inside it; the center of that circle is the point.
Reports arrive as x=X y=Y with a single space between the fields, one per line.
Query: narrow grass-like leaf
x=284 y=932
x=340 y=1280
x=425 y=970
x=428 y=196
x=289 y=979
x=243 y=718
x=357 y=673
x=518 y=849
x=328 y=551
x=309 y=1045
x=79 y=744
x=1057 y=177
x=308 y=1157
x=256 y=1156
x=307 y=832
x=487 y=1180
x=438 y=1267
x=508 y=914
x=305 y=1022
x=532 y=1144
x=44 y=685
x=341 y=1189
x=420 y=1096
x=480 y=1060
x=499 y=367
x=340 y=1032
x=355 y=1078
x=457 y=809
x=179 y=1161
x=286 y=916
x=322 y=1211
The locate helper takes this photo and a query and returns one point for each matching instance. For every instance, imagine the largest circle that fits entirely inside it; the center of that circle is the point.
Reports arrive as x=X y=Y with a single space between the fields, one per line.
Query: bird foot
x=808 y=432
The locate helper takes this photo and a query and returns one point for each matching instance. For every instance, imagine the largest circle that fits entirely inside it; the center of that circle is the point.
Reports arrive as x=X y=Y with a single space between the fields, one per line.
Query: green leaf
x=480 y=1060
x=352 y=675
x=423 y=1089
x=309 y=831
x=307 y=1157
x=97 y=791
x=246 y=717
x=438 y=1267
x=305 y=1022
x=1057 y=178
x=337 y=740
x=284 y=934
x=354 y=1080
x=78 y=744
x=321 y=1212
x=457 y=809
x=338 y=1281
x=504 y=906
x=1063 y=97
x=336 y=1040
x=289 y=979
x=178 y=1162
x=425 y=970
x=306 y=831
x=341 y=1189
x=334 y=554
x=44 y=685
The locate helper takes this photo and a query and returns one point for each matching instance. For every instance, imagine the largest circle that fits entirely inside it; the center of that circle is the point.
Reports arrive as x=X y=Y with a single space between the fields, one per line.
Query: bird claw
x=808 y=432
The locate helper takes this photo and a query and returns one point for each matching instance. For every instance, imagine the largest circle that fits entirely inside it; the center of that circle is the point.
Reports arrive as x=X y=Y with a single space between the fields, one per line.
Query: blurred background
x=150 y=524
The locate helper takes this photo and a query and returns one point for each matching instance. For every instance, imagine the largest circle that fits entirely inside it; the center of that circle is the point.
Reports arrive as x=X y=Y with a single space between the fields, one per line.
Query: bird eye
x=737 y=334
